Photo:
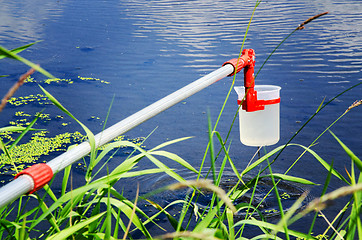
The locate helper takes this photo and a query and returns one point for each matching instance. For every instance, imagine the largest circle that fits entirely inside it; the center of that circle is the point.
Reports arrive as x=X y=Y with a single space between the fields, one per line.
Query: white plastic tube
x=24 y=183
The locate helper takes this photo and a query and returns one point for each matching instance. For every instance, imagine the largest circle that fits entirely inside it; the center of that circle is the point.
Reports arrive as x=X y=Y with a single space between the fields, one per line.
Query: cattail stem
x=301 y=26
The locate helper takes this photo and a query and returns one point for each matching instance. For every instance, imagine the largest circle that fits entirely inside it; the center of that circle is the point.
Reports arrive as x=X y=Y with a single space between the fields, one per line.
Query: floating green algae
x=32 y=98
x=92 y=79
x=38 y=146
x=58 y=80
x=64 y=80
x=39 y=143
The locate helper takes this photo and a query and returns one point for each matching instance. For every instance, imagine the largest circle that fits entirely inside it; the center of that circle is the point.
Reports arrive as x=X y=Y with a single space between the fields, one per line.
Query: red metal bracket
x=40 y=173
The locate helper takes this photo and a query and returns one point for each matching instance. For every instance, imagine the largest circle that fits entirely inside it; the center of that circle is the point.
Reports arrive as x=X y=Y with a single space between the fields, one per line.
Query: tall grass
x=98 y=210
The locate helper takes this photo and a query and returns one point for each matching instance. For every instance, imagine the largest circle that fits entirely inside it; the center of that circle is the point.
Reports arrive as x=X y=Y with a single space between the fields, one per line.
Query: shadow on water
x=263 y=199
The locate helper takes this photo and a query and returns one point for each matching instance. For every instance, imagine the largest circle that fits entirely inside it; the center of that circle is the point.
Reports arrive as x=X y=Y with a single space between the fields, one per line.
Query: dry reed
x=15 y=87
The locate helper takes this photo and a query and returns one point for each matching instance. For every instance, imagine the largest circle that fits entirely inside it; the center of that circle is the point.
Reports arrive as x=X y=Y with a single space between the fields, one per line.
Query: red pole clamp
x=247 y=61
x=240 y=63
x=40 y=173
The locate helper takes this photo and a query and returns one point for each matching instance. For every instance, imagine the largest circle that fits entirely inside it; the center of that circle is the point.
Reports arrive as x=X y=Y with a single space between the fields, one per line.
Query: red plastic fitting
x=239 y=63
x=40 y=173
x=247 y=61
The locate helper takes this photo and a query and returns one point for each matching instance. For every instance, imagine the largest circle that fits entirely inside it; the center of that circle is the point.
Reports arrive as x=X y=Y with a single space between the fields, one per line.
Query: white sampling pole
x=35 y=177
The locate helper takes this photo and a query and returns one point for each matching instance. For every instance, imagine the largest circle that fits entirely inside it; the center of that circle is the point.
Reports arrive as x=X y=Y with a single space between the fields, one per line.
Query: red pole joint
x=244 y=60
x=250 y=102
x=40 y=173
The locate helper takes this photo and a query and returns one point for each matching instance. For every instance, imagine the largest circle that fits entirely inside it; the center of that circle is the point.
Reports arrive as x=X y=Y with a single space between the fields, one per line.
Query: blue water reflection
x=148 y=49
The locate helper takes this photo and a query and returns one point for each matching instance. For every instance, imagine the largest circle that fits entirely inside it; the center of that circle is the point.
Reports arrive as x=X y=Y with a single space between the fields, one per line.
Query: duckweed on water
x=49 y=80
x=39 y=145
x=93 y=79
x=22 y=114
x=38 y=98
x=65 y=80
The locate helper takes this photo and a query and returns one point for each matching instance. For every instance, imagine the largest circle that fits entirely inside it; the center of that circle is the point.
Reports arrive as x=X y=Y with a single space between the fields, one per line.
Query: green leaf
x=201 y=226
x=262 y=159
x=321 y=161
x=16 y=129
x=354 y=158
x=9 y=54
x=73 y=229
x=162 y=145
x=271 y=226
x=320 y=105
x=3 y=147
x=90 y=135
x=28 y=128
x=176 y=158
x=66 y=179
x=69 y=196
x=18 y=49
x=127 y=208
x=290 y=178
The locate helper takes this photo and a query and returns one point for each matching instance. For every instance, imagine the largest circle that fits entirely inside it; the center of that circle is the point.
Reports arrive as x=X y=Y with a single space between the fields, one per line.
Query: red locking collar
x=40 y=173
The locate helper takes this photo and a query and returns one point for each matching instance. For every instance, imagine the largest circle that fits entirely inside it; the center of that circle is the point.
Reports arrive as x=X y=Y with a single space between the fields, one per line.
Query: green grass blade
x=6 y=151
x=354 y=158
x=230 y=221
x=175 y=158
x=326 y=183
x=127 y=208
x=162 y=145
x=90 y=135
x=73 y=229
x=163 y=210
x=27 y=129
x=108 y=221
x=18 y=49
x=262 y=224
x=322 y=162
x=262 y=159
x=69 y=196
x=290 y=178
x=205 y=222
x=66 y=179
x=16 y=129
x=9 y=54
x=49 y=191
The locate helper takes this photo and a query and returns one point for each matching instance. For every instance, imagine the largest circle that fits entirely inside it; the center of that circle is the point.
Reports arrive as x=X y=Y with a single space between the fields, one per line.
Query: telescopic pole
x=35 y=177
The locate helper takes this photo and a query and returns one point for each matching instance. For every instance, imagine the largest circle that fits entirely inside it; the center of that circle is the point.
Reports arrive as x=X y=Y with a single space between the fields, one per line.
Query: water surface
x=148 y=49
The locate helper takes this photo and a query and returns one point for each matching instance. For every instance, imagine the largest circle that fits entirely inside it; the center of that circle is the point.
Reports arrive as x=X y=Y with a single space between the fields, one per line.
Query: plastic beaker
x=260 y=128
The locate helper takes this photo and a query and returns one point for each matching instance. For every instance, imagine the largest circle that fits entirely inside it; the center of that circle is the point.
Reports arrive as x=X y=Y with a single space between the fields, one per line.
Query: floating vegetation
x=38 y=98
x=64 y=80
x=22 y=114
x=23 y=122
x=40 y=145
x=58 y=80
x=29 y=80
x=7 y=135
x=92 y=79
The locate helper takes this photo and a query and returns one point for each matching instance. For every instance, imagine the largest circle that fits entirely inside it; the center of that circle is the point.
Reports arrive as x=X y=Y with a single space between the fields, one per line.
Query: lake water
x=140 y=51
